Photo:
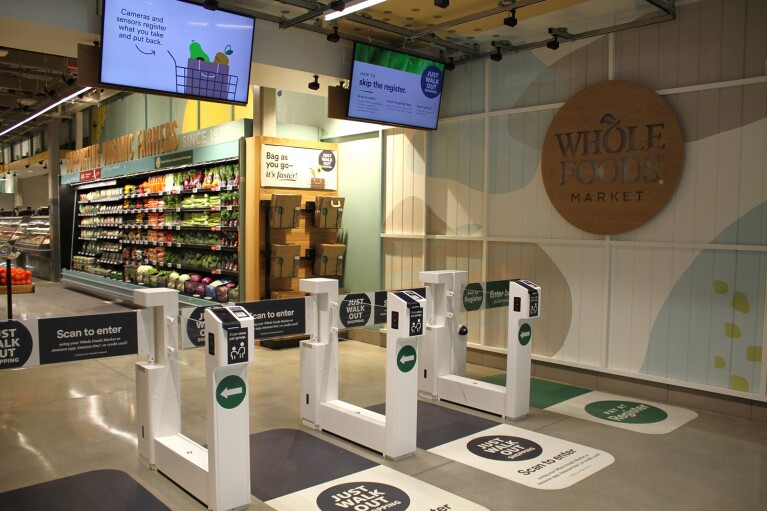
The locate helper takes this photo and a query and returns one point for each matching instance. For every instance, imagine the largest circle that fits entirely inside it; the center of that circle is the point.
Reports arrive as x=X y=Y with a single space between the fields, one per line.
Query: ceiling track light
x=315 y=85
x=344 y=8
x=442 y=3
x=511 y=21
x=334 y=37
x=450 y=64
x=44 y=110
x=554 y=43
x=497 y=56
x=211 y=5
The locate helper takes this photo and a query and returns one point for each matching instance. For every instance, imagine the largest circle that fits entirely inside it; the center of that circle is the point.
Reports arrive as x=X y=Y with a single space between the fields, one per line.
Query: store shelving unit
x=170 y=220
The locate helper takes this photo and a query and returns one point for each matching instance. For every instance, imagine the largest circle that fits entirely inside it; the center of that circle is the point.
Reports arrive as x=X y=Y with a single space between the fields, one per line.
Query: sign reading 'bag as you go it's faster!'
x=298 y=167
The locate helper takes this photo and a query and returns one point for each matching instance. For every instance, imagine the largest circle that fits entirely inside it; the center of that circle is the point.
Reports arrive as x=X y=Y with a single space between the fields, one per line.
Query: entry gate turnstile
x=393 y=434
x=218 y=475
x=443 y=368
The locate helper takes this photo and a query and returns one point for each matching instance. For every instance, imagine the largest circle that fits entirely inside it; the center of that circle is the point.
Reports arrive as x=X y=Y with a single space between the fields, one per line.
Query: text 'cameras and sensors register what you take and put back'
x=178 y=48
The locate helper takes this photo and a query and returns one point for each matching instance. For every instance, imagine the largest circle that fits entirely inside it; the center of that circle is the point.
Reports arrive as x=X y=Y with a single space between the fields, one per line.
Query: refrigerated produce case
x=176 y=227
x=34 y=243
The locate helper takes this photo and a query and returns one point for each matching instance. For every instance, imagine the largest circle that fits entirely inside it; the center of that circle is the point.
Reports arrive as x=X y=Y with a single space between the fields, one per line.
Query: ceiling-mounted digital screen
x=390 y=87
x=177 y=48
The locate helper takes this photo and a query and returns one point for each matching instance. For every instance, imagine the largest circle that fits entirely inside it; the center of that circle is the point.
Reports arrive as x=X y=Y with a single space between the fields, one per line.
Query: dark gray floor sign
x=99 y=490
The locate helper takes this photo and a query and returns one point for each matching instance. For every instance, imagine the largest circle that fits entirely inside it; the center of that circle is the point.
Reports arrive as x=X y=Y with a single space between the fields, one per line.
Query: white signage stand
x=161 y=445
x=442 y=373
x=393 y=434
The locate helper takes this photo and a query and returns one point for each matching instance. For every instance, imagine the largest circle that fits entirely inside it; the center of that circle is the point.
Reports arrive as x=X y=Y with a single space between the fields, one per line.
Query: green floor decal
x=543 y=393
x=634 y=415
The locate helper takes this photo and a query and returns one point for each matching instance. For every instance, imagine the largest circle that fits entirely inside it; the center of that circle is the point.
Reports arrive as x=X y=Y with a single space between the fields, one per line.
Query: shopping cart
x=206 y=79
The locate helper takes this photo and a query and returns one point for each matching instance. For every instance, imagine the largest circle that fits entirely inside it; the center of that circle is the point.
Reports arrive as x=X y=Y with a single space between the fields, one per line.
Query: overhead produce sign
x=146 y=143
x=612 y=157
x=298 y=167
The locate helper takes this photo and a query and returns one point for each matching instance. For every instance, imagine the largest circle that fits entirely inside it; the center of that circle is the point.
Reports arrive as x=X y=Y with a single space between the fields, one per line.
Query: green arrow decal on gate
x=406 y=358
x=230 y=392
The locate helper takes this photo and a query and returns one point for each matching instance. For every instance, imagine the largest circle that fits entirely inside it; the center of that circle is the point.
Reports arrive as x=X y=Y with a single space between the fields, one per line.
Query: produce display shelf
x=104 y=286
x=18 y=289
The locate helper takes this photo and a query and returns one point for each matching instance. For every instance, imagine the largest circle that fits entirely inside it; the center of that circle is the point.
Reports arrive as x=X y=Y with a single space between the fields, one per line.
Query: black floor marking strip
x=284 y=461
x=439 y=425
x=99 y=490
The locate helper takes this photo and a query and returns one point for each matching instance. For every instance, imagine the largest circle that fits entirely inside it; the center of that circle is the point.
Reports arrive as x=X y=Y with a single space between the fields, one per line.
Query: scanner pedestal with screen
x=442 y=373
x=393 y=434
x=218 y=475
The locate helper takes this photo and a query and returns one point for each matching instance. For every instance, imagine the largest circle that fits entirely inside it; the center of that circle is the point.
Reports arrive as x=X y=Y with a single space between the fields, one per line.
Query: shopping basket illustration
x=207 y=79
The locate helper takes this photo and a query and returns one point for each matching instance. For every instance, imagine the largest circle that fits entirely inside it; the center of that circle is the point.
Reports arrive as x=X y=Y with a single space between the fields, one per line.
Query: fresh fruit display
x=19 y=276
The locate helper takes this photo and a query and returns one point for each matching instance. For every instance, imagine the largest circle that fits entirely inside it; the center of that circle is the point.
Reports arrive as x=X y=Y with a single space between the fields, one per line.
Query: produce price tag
x=229 y=208
x=213 y=247
x=217 y=247
x=178 y=227
x=178 y=266
x=214 y=228
x=229 y=188
x=215 y=272
x=215 y=189
x=177 y=245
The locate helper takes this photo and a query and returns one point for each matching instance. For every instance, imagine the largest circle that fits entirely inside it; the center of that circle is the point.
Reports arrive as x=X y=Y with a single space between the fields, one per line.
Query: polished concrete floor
x=65 y=419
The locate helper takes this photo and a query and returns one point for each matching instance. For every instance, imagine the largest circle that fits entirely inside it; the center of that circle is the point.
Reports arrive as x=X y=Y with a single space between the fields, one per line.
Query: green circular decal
x=626 y=412
x=473 y=295
x=230 y=392
x=406 y=358
x=525 y=334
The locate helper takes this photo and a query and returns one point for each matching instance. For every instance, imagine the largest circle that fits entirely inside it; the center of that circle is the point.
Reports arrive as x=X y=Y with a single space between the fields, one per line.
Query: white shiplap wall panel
x=590 y=308
x=570 y=262
x=395 y=172
x=641 y=305
x=477 y=202
x=621 y=277
x=753 y=160
x=729 y=176
x=420 y=153
x=406 y=171
x=706 y=172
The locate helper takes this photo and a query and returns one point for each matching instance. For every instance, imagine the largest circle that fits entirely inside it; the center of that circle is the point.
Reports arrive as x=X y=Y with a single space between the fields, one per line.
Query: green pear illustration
x=196 y=53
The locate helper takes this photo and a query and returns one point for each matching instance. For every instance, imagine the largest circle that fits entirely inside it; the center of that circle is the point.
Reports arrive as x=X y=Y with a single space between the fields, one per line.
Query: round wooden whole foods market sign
x=612 y=157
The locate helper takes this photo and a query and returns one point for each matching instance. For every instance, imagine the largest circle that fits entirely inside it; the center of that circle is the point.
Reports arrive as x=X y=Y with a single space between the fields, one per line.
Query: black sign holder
x=6 y=252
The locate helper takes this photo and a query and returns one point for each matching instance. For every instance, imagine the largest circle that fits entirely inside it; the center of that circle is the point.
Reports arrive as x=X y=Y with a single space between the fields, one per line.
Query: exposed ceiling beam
x=19 y=84
x=407 y=35
x=509 y=48
x=665 y=5
x=476 y=16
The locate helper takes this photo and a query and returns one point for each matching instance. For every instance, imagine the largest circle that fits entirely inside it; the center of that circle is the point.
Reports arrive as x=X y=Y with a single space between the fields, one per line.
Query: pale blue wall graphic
x=710 y=329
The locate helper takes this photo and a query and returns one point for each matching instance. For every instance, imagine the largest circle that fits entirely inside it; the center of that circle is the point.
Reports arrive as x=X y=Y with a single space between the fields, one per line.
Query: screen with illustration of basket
x=177 y=48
